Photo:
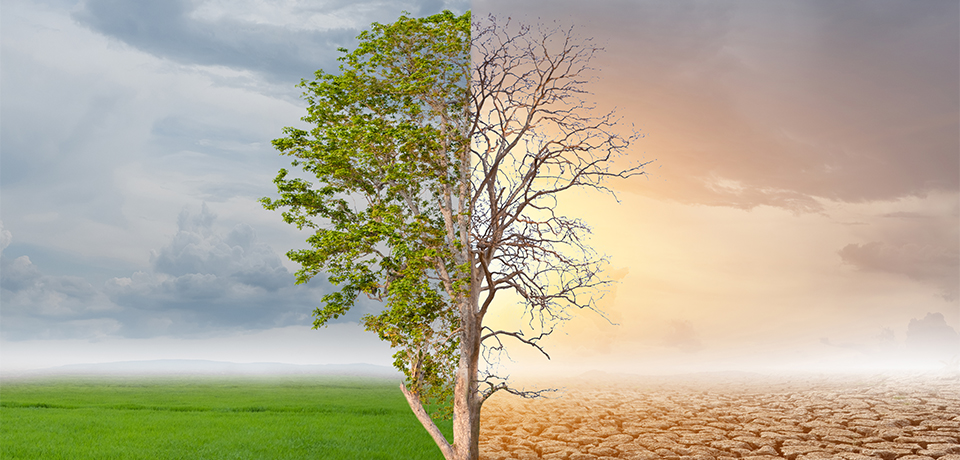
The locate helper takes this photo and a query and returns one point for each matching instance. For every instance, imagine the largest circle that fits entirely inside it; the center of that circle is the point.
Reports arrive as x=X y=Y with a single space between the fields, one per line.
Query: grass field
x=210 y=418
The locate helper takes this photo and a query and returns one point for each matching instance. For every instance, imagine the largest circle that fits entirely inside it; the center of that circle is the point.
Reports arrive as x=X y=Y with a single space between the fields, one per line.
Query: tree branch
x=414 y=401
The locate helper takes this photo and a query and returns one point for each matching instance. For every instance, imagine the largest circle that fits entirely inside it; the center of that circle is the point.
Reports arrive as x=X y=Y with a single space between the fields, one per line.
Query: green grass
x=208 y=418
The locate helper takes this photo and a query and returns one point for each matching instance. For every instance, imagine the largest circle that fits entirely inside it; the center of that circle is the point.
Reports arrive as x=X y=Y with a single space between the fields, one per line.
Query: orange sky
x=804 y=196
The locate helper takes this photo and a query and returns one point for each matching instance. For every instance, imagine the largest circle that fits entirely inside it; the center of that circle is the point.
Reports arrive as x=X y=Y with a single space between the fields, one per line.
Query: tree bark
x=466 y=401
x=414 y=401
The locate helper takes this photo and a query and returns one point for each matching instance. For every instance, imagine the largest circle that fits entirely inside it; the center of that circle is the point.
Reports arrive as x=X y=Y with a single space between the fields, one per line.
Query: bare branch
x=533 y=137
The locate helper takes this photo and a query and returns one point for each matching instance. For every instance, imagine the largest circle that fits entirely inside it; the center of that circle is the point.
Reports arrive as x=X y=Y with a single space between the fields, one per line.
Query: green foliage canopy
x=387 y=149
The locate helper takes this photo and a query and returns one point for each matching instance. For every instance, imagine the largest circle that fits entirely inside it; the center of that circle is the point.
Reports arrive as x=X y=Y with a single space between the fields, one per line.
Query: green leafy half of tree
x=384 y=148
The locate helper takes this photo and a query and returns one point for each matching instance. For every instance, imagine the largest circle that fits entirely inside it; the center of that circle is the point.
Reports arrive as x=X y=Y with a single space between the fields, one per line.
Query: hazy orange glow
x=803 y=202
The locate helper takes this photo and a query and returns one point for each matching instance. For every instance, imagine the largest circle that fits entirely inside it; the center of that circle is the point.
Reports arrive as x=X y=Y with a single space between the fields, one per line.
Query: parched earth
x=724 y=416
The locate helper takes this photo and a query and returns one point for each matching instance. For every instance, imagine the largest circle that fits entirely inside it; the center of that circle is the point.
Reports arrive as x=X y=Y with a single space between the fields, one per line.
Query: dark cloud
x=938 y=265
x=196 y=249
x=168 y=29
x=203 y=282
x=37 y=306
x=778 y=103
x=932 y=337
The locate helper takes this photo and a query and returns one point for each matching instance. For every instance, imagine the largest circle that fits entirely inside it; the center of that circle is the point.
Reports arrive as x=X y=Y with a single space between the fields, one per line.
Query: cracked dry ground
x=741 y=418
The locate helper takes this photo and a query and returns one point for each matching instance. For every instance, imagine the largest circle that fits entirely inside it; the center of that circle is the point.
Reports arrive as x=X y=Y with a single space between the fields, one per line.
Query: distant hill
x=201 y=367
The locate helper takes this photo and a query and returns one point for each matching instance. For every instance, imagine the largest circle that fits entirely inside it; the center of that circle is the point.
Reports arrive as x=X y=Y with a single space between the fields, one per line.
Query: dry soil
x=730 y=416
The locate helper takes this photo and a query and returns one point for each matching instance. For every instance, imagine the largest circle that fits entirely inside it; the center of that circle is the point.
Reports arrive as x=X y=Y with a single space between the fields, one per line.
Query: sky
x=801 y=211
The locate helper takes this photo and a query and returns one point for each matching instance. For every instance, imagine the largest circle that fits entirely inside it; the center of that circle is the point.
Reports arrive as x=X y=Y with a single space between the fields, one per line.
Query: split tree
x=435 y=159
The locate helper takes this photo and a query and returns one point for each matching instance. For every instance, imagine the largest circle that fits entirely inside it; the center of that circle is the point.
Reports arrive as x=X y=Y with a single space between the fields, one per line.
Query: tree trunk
x=466 y=402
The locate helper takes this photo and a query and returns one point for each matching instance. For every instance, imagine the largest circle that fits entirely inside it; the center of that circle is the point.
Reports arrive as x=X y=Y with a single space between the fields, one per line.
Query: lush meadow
x=210 y=418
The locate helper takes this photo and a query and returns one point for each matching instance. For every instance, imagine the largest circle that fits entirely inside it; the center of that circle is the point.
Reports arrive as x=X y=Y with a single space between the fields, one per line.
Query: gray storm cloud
x=238 y=256
x=38 y=306
x=171 y=29
x=202 y=282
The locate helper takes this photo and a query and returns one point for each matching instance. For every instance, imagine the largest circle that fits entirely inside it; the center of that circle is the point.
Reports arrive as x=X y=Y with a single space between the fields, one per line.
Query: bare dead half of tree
x=534 y=135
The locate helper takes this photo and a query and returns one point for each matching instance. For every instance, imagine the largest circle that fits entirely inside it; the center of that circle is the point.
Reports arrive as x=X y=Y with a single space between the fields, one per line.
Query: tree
x=436 y=187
